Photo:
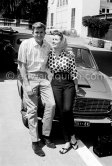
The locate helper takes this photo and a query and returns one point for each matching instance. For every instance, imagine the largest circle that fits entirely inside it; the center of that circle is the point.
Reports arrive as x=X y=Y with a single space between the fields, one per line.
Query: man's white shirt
x=33 y=55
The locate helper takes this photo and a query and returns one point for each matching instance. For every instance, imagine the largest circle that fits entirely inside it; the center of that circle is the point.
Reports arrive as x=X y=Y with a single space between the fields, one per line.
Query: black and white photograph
x=55 y=82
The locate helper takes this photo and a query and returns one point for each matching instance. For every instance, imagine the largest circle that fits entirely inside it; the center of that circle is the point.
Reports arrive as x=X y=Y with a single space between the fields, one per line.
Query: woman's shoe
x=65 y=149
x=74 y=145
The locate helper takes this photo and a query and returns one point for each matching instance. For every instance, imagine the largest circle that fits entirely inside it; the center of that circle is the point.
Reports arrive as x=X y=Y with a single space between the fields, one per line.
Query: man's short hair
x=38 y=25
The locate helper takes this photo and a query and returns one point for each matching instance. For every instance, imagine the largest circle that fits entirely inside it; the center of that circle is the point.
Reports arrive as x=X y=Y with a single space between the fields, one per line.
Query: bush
x=96 y=27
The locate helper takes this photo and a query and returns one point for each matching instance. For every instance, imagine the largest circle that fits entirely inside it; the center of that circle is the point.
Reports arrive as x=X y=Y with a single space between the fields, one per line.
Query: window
x=73 y=18
x=52 y=17
x=110 y=1
x=58 y=4
x=66 y=2
x=83 y=57
x=103 y=10
x=62 y=3
x=107 y=10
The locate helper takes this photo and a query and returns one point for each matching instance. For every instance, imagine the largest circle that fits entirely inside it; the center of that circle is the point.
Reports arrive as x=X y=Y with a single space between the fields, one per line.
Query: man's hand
x=29 y=90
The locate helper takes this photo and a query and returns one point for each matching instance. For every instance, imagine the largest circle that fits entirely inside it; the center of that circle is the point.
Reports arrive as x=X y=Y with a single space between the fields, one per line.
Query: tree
x=8 y=8
x=35 y=10
x=38 y=11
x=96 y=27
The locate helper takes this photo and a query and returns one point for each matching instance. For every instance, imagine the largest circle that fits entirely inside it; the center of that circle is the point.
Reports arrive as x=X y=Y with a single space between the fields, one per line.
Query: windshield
x=104 y=61
x=83 y=57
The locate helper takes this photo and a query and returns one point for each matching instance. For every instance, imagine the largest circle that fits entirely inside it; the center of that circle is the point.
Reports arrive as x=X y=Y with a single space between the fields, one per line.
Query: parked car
x=10 y=40
x=103 y=59
x=93 y=104
x=49 y=31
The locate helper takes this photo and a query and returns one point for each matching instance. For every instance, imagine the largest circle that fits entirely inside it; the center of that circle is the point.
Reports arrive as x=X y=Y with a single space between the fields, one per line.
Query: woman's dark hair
x=56 y=32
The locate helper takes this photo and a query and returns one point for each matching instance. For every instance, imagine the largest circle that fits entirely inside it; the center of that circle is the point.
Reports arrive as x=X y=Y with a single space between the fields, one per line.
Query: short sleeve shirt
x=33 y=55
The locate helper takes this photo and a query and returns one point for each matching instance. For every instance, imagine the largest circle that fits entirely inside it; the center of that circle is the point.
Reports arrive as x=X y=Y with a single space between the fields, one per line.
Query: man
x=32 y=60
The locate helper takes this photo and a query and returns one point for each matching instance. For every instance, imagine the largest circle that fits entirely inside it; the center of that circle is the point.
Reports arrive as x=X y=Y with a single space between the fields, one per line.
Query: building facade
x=67 y=14
x=105 y=6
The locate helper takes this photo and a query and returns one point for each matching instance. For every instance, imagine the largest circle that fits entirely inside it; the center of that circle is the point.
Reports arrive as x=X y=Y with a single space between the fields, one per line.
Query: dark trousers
x=64 y=94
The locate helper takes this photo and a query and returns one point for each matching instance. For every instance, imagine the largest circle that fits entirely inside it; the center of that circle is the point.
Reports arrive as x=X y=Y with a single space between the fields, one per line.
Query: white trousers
x=31 y=101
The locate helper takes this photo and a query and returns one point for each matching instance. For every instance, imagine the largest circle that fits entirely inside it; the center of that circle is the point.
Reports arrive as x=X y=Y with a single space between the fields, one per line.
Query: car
x=50 y=31
x=10 y=40
x=93 y=103
x=94 y=106
x=103 y=59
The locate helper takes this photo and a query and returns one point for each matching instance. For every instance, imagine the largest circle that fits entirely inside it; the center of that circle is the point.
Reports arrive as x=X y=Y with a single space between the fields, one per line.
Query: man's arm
x=22 y=62
x=24 y=76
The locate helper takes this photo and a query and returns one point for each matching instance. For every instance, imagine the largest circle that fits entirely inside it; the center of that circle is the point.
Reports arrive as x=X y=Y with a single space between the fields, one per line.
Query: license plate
x=82 y=124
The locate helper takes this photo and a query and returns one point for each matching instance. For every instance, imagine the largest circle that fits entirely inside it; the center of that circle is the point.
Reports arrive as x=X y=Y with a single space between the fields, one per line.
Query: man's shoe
x=38 y=149
x=48 y=142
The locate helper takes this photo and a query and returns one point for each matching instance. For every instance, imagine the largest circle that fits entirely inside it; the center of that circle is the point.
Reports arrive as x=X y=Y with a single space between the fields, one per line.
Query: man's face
x=39 y=34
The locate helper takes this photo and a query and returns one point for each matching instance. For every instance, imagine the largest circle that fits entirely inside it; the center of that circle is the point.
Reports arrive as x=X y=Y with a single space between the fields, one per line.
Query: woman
x=65 y=85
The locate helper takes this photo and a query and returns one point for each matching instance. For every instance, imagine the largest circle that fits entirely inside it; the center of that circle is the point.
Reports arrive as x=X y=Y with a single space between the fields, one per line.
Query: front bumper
x=89 y=122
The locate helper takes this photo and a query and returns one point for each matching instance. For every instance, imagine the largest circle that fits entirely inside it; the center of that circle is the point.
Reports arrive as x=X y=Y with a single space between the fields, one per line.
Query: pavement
x=15 y=143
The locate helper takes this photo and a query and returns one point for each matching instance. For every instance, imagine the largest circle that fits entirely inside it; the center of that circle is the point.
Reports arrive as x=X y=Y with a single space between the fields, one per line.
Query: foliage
x=96 y=27
x=32 y=10
x=38 y=11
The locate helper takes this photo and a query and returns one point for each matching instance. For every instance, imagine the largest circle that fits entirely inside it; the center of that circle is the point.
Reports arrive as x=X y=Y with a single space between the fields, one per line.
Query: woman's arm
x=76 y=85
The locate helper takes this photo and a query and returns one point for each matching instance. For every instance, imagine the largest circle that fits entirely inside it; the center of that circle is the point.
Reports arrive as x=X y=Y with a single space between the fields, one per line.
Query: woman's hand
x=77 y=90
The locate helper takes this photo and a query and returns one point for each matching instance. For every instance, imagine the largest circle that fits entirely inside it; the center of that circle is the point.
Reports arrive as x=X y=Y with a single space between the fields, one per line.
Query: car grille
x=92 y=106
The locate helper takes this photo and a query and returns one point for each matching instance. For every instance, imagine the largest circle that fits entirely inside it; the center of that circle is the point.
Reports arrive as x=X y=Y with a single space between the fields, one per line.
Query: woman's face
x=56 y=41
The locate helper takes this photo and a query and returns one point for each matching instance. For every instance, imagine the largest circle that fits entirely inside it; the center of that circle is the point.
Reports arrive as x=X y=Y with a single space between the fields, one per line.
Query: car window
x=104 y=61
x=83 y=57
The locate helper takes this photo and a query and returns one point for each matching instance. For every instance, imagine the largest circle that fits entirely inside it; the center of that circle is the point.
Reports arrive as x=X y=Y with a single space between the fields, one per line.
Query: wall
x=106 y=5
x=77 y=4
x=62 y=15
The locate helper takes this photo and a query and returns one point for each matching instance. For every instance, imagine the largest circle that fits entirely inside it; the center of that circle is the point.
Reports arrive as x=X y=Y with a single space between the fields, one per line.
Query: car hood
x=94 y=83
